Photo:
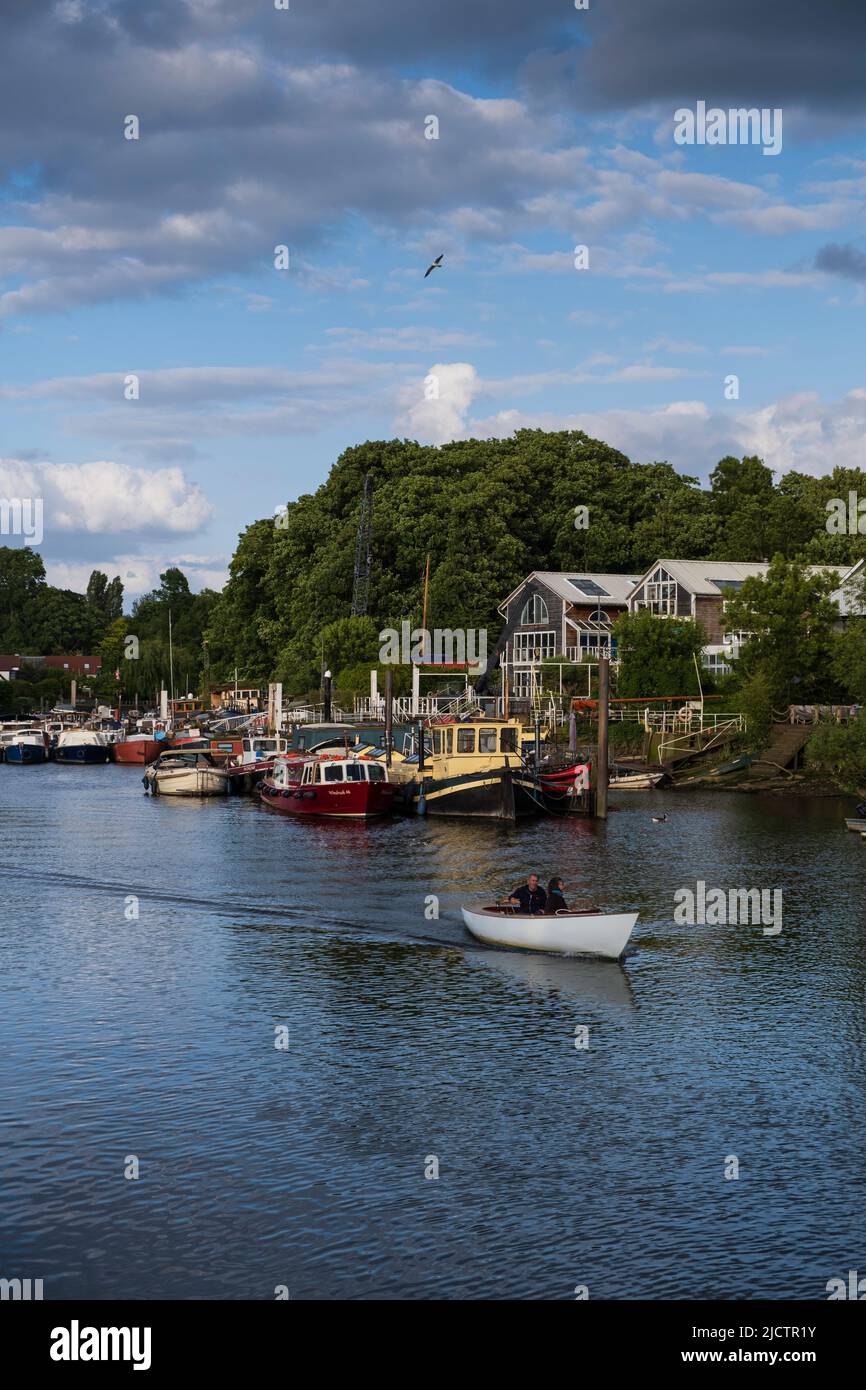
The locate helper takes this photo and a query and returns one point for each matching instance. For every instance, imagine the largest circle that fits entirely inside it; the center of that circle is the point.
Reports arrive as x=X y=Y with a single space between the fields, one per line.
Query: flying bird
x=435 y=266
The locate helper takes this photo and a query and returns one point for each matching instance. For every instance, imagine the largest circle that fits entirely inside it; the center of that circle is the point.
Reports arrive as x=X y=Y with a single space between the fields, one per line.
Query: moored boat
x=855 y=823
x=27 y=747
x=190 y=772
x=565 y=933
x=82 y=746
x=138 y=749
x=636 y=781
x=475 y=769
x=338 y=788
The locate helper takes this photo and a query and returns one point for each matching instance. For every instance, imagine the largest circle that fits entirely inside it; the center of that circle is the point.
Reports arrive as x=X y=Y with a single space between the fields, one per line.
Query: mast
x=171 y=664
x=363 y=551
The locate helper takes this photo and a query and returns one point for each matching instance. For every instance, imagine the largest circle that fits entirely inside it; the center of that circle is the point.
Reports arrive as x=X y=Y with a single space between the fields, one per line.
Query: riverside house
x=702 y=590
x=567 y=617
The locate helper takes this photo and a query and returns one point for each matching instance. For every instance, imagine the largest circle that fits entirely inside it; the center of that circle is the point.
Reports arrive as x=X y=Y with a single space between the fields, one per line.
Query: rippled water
x=305 y=1167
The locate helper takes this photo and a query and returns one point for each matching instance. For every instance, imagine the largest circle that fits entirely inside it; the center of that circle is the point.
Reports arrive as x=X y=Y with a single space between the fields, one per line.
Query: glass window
x=334 y=773
x=354 y=772
x=534 y=646
x=437 y=741
x=318 y=776
x=535 y=610
x=486 y=740
x=465 y=740
x=508 y=741
x=375 y=772
x=449 y=740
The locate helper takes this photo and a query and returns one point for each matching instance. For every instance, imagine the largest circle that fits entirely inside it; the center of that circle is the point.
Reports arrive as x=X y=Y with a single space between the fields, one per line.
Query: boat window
x=375 y=773
x=508 y=741
x=318 y=773
x=465 y=740
x=334 y=773
x=307 y=774
x=354 y=772
x=486 y=740
x=437 y=741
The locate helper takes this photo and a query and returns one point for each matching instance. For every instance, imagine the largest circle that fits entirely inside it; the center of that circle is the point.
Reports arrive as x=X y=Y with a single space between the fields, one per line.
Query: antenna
x=363 y=551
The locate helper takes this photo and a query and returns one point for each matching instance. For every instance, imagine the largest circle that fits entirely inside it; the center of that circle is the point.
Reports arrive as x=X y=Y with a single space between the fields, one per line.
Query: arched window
x=535 y=611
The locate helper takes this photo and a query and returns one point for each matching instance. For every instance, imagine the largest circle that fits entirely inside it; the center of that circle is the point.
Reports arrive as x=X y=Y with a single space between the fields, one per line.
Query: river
x=155 y=951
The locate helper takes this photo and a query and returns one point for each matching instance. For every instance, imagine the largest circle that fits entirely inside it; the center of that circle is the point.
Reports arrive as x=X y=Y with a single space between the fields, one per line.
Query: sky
x=165 y=380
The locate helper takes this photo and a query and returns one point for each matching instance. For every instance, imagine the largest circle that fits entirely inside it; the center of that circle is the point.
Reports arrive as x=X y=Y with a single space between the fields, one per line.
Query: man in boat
x=530 y=897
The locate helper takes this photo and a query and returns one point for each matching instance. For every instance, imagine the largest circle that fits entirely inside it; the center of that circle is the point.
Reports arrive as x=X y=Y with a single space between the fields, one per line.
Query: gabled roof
x=707 y=577
x=615 y=588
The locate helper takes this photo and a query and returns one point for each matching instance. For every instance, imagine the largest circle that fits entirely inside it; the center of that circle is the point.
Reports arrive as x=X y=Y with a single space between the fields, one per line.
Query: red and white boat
x=138 y=749
x=341 y=788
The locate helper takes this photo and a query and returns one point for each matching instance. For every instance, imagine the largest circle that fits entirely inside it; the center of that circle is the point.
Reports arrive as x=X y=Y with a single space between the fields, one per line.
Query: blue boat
x=27 y=749
x=82 y=746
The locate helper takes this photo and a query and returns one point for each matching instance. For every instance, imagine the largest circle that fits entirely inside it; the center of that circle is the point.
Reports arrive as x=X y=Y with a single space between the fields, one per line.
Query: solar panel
x=735 y=584
x=588 y=587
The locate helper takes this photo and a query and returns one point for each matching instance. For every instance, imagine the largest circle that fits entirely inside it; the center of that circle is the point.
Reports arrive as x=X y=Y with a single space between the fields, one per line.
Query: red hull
x=356 y=800
x=138 y=751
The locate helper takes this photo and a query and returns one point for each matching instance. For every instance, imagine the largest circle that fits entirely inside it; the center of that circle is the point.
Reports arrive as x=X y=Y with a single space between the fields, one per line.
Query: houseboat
x=25 y=747
x=475 y=769
x=82 y=746
x=339 y=788
x=138 y=749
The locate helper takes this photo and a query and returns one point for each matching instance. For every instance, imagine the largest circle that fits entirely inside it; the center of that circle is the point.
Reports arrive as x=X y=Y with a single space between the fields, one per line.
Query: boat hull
x=499 y=794
x=138 y=752
x=342 y=801
x=80 y=753
x=25 y=754
x=853 y=823
x=194 y=781
x=576 y=934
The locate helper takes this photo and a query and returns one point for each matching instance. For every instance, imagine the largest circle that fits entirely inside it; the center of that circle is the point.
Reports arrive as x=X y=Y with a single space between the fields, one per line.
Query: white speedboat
x=180 y=773
x=635 y=781
x=565 y=933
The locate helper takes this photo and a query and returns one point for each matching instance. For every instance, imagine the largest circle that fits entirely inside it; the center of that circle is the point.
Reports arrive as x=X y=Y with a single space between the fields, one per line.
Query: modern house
x=568 y=617
x=702 y=590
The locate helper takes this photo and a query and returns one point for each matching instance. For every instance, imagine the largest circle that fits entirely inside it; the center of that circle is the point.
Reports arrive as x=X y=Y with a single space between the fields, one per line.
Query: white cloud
x=108 y=498
x=452 y=387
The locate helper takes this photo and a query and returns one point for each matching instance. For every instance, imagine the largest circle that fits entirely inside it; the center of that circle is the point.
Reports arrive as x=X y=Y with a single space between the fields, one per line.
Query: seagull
x=657 y=819
x=435 y=266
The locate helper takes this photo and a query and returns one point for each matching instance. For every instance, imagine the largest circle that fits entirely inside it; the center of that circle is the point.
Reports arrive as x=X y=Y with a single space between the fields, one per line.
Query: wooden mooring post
x=601 y=766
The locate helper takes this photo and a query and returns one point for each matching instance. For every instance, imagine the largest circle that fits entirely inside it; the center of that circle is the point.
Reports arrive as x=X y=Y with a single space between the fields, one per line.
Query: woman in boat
x=555 y=901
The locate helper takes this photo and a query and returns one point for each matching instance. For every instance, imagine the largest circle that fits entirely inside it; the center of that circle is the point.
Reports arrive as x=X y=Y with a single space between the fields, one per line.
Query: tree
x=106 y=598
x=658 y=655
x=22 y=578
x=791 y=615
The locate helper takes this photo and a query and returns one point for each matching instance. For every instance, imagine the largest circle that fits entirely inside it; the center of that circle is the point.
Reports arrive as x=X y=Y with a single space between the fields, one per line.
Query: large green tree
x=658 y=655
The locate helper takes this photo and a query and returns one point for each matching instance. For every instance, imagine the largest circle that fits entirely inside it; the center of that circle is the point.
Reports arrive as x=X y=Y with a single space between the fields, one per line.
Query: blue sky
x=306 y=128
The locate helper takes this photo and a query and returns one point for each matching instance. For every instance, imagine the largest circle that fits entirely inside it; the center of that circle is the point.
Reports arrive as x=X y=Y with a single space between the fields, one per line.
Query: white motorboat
x=854 y=823
x=635 y=781
x=180 y=773
x=564 y=933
